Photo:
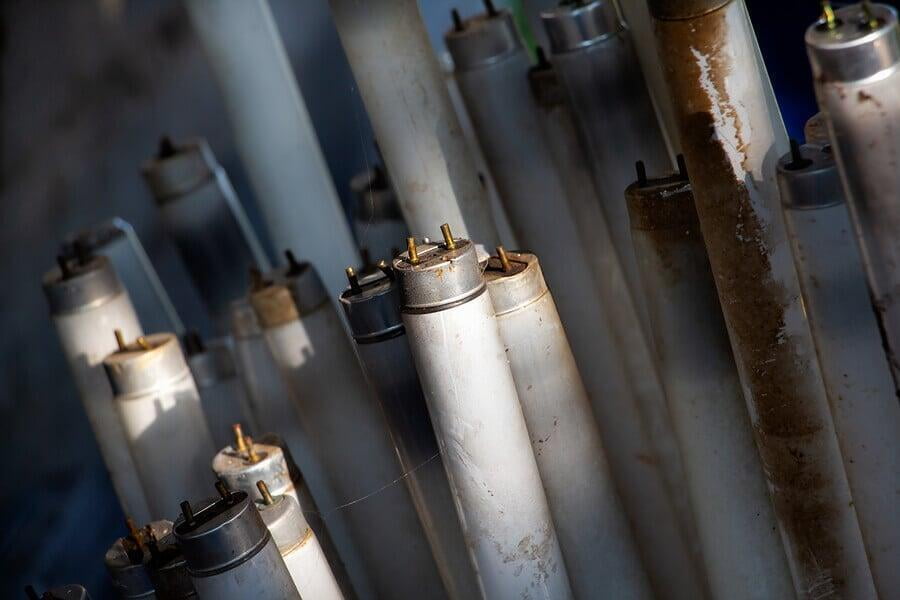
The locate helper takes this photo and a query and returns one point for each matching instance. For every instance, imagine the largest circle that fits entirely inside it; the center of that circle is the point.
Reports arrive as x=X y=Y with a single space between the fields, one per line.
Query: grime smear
x=533 y=557
x=761 y=307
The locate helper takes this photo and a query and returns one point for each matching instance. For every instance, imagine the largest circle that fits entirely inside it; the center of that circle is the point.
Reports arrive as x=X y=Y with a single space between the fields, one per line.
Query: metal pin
x=490 y=8
x=120 y=340
x=251 y=451
x=64 y=269
x=187 y=512
x=82 y=251
x=222 y=488
x=353 y=279
x=133 y=531
x=293 y=264
x=542 y=62
x=449 y=244
x=256 y=279
x=828 y=15
x=193 y=343
x=641 y=173
x=872 y=22
x=457 y=21
x=133 y=550
x=797 y=160
x=386 y=269
x=504 y=259
x=682 y=166
x=166 y=148
x=264 y=492
x=412 y=250
x=240 y=442
x=143 y=343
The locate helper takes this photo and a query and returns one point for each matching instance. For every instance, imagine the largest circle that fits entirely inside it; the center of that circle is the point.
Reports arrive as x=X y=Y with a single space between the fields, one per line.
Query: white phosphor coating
x=86 y=333
x=478 y=421
x=160 y=410
x=596 y=540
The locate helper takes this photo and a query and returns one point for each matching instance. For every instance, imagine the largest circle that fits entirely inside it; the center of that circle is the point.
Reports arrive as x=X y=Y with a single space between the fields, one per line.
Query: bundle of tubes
x=682 y=385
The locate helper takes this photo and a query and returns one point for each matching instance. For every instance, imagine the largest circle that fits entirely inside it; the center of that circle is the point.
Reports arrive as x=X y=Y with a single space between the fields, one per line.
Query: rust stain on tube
x=781 y=383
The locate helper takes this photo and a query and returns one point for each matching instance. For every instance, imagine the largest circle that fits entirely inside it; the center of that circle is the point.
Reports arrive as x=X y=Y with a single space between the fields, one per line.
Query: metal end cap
x=239 y=473
x=305 y=285
x=274 y=306
x=520 y=286
x=816 y=184
x=87 y=286
x=851 y=51
x=573 y=26
x=135 y=370
x=224 y=533
x=484 y=40
x=374 y=310
x=661 y=203
x=244 y=323
x=816 y=130
x=667 y=10
x=169 y=177
x=133 y=580
x=440 y=279
x=213 y=365
x=285 y=521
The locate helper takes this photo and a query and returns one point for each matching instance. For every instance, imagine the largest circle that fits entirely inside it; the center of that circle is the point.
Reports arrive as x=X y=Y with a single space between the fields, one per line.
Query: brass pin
x=251 y=451
x=133 y=531
x=386 y=269
x=222 y=488
x=504 y=259
x=264 y=492
x=120 y=340
x=353 y=279
x=412 y=250
x=143 y=343
x=239 y=443
x=828 y=14
x=871 y=21
x=449 y=244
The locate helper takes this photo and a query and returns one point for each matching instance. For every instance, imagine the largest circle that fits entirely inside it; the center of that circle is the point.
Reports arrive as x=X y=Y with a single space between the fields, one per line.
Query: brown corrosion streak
x=782 y=387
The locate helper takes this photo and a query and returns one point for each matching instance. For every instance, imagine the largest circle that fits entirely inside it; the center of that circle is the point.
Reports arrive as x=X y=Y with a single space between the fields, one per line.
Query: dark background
x=88 y=86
